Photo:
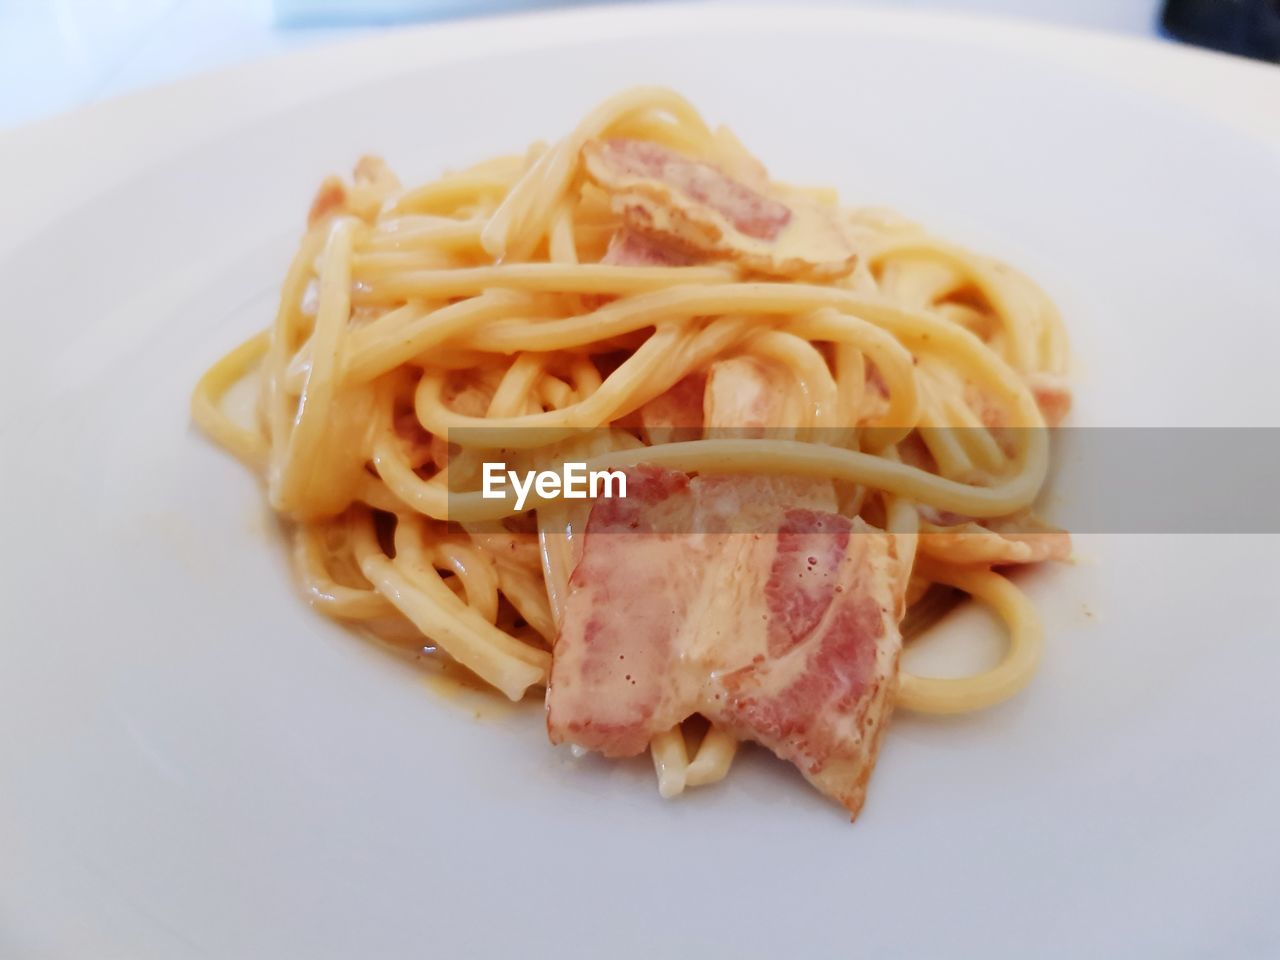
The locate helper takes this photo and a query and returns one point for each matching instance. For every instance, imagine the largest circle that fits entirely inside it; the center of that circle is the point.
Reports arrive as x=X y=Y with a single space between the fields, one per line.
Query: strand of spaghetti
x=507 y=674
x=606 y=323
x=475 y=571
x=562 y=247
x=509 y=236
x=973 y=434
x=541 y=277
x=657 y=365
x=294 y=486
x=793 y=458
x=851 y=387
x=556 y=554
x=941 y=441
x=521 y=220
x=413 y=557
x=902 y=522
x=373 y=492
x=961 y=695
x=516 y=387
x=434 y=610
x=586 y=378
x=670 y=761
x=554 y=392
x=680 y=137
x=916 y=328
x=430 y=499
x=322 y=591
x=813 y=380
x=277 y=401
x=379 y=347
x=893 y=361
x=918 y=283
x=592 y=240
x=983 y=279
x=411 y=233
x=448 y=358
x=983 y=273
x=397 y=474
x=539 y=429
x=527 y=594
x=713 y=759
x=451 y=191
x=389 y=326
x=518 y=550
x=246 y=444
x=366 y=268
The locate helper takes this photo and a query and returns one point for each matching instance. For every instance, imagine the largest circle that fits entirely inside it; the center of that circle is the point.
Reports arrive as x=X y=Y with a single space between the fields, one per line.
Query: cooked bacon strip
x=693 y=206
x=747 y=395
x=749 y=212
x=615 y=659
x=1053 y=396
x=742 y=394
x=1005 y=541
x=745 y=398
x=1051 y=392
x=676 y=414
x=630 y=249
x=777 y=624
x=372 y=182
x=739 y=397
x=822 y=693
x=331 y=197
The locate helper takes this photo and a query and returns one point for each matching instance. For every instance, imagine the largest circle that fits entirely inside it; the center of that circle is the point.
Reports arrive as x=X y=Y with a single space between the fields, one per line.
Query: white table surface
x=59 y=54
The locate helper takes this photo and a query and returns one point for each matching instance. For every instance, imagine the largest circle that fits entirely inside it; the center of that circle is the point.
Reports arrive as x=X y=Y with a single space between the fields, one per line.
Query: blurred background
x=58 y=54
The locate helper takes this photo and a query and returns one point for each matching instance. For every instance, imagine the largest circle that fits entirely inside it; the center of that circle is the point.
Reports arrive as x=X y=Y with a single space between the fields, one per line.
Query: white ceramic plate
x=194 y=765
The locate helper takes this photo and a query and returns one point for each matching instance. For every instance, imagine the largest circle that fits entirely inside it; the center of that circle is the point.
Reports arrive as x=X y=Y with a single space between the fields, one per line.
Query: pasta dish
x=830 y=424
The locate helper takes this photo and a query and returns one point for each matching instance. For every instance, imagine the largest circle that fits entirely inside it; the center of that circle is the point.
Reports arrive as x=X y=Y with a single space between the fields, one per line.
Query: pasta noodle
x=488 y=300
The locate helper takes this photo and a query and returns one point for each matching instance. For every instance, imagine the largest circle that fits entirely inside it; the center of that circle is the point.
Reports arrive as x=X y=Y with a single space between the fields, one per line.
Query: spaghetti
x=549 y=298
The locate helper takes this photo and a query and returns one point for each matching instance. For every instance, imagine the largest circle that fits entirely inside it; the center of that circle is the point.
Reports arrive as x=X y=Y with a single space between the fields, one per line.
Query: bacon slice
x=693 y=206
x=1053 y=396
x=1001 y=542
x=822 y=693
x=331 y=197
x=747 y=395
x=741 y=394
x=630 y=249
x=372 y=182
x=1051 y=392
x=676 y=414
x=739 y=397
x=616 y=654
x=778 y=624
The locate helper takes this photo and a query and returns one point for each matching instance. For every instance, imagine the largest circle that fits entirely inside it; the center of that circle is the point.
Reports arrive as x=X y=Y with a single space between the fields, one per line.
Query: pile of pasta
x=509 y=303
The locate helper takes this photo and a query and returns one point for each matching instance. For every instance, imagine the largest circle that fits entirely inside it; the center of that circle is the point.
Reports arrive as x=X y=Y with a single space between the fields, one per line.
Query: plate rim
x=128 y=133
